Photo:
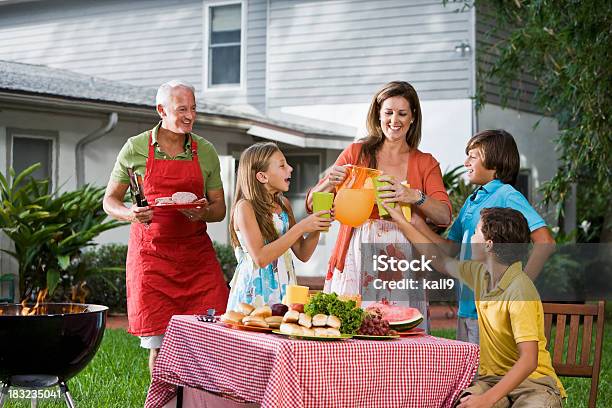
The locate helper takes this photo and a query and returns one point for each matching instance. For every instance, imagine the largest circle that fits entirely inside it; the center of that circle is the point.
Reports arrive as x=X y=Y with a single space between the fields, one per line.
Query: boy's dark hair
x=509 y=231
x=499 y=153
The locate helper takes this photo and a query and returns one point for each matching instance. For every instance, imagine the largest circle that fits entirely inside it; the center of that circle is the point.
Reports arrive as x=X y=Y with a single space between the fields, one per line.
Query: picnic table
x=277 y=371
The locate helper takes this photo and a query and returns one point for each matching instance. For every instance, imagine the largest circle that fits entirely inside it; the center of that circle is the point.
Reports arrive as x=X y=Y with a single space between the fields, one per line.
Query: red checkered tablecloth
x=278 y=372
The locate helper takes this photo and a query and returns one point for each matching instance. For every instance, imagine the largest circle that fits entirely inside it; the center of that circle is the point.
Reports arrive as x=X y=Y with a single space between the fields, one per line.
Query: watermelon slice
x=400 y=318
x=407 y=324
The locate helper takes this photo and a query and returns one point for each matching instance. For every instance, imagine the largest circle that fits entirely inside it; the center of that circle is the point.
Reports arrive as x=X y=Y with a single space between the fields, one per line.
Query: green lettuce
x=345 y=310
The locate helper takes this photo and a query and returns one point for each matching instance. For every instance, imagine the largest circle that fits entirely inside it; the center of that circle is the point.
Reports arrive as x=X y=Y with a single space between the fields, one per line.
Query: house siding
x=488 y=34
x=143 y=43
x=339 y=51
x=256 y=53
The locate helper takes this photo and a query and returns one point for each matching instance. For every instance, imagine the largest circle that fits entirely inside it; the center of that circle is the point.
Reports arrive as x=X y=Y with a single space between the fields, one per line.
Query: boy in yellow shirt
x=515 y=367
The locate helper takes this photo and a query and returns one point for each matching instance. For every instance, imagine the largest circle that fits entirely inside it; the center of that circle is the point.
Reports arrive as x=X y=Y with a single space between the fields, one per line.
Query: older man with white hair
x=171 y=264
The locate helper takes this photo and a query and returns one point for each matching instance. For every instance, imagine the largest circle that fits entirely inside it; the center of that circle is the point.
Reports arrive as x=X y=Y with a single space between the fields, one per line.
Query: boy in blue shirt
x=492 y=163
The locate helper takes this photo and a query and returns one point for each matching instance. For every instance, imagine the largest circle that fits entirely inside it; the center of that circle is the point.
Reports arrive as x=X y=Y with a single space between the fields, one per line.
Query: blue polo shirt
x=493 y=194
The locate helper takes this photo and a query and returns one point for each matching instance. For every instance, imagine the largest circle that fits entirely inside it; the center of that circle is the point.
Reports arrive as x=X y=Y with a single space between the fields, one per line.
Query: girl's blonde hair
x=254 y=159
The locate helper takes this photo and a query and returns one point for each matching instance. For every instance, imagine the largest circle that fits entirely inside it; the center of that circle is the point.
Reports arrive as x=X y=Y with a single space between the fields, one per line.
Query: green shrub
x=49 y=229
x=107 y=286
x=227 y=259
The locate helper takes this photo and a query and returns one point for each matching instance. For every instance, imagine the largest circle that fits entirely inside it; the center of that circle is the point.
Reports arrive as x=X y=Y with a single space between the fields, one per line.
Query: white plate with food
x=179 y=201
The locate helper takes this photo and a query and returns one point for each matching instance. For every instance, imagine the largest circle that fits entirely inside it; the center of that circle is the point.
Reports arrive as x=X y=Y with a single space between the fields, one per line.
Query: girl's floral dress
x=260 y=286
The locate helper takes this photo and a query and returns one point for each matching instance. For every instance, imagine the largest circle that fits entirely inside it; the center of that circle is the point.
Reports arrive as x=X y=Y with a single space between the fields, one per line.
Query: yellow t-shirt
x=510 y=313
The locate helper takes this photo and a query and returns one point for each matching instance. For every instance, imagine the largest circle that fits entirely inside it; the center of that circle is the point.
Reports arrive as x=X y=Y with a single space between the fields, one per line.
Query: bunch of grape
x=374 y=325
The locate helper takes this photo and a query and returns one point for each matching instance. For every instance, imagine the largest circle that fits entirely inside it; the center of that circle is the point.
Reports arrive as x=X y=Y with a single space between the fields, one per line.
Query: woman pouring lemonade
x=391 y=146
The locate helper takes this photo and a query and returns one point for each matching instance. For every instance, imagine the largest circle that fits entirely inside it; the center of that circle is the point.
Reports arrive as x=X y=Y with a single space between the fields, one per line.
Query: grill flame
x=79 y=293
x=37 y=309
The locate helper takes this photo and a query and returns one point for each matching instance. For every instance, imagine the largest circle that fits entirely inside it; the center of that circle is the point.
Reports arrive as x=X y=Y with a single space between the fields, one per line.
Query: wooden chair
x=578 y=315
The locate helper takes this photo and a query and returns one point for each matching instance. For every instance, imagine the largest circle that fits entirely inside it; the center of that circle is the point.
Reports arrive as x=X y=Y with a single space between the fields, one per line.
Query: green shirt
x=135 y=151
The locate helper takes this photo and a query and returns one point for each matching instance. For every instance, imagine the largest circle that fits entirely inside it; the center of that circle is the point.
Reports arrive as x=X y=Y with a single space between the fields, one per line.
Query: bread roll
x=291 y=317
x=319 y=320
x=264 y=311
x=333 y=321
x=232 y=317
x=332 y=332
x=291 y=329
x=305 y=320
x=320 y=331
x=253 y=318
x=274 y=321
x=308 y=332
x=245 y=309
x=256 y=321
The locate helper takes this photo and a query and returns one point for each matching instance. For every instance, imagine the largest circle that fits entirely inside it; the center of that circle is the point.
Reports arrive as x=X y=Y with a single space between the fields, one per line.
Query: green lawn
x=119 y=377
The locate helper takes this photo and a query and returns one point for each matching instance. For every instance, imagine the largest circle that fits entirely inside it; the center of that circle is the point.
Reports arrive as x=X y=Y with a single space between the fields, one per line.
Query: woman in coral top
x=394 y=132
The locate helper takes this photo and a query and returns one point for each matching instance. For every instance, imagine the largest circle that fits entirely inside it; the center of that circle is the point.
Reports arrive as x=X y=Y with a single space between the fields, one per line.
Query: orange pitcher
x=356 y=196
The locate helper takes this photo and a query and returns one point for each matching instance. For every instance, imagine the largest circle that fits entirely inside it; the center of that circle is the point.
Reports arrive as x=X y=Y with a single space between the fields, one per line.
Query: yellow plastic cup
x=406 y=210
x=322 y=201
x=382 y=212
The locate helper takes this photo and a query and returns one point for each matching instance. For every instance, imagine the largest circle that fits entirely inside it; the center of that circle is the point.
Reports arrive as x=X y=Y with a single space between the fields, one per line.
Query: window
x=522 y=183
x=29 y=147
x=306 y=169
x=224 y=45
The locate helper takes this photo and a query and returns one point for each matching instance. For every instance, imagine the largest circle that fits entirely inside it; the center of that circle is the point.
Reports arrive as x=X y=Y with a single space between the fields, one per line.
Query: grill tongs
x=136 y=189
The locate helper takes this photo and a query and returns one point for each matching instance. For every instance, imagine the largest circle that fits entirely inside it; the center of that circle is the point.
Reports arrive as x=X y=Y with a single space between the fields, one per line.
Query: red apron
x=172 y=267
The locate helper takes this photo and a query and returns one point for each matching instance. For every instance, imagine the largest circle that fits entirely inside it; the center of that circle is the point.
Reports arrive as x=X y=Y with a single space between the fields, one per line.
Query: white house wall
x=536 y=145
x=337 y=51
x=144 y=42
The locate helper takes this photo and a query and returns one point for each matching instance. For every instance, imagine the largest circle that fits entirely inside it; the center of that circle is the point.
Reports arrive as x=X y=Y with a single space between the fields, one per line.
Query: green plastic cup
x=382 y=212
x=322 y=201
